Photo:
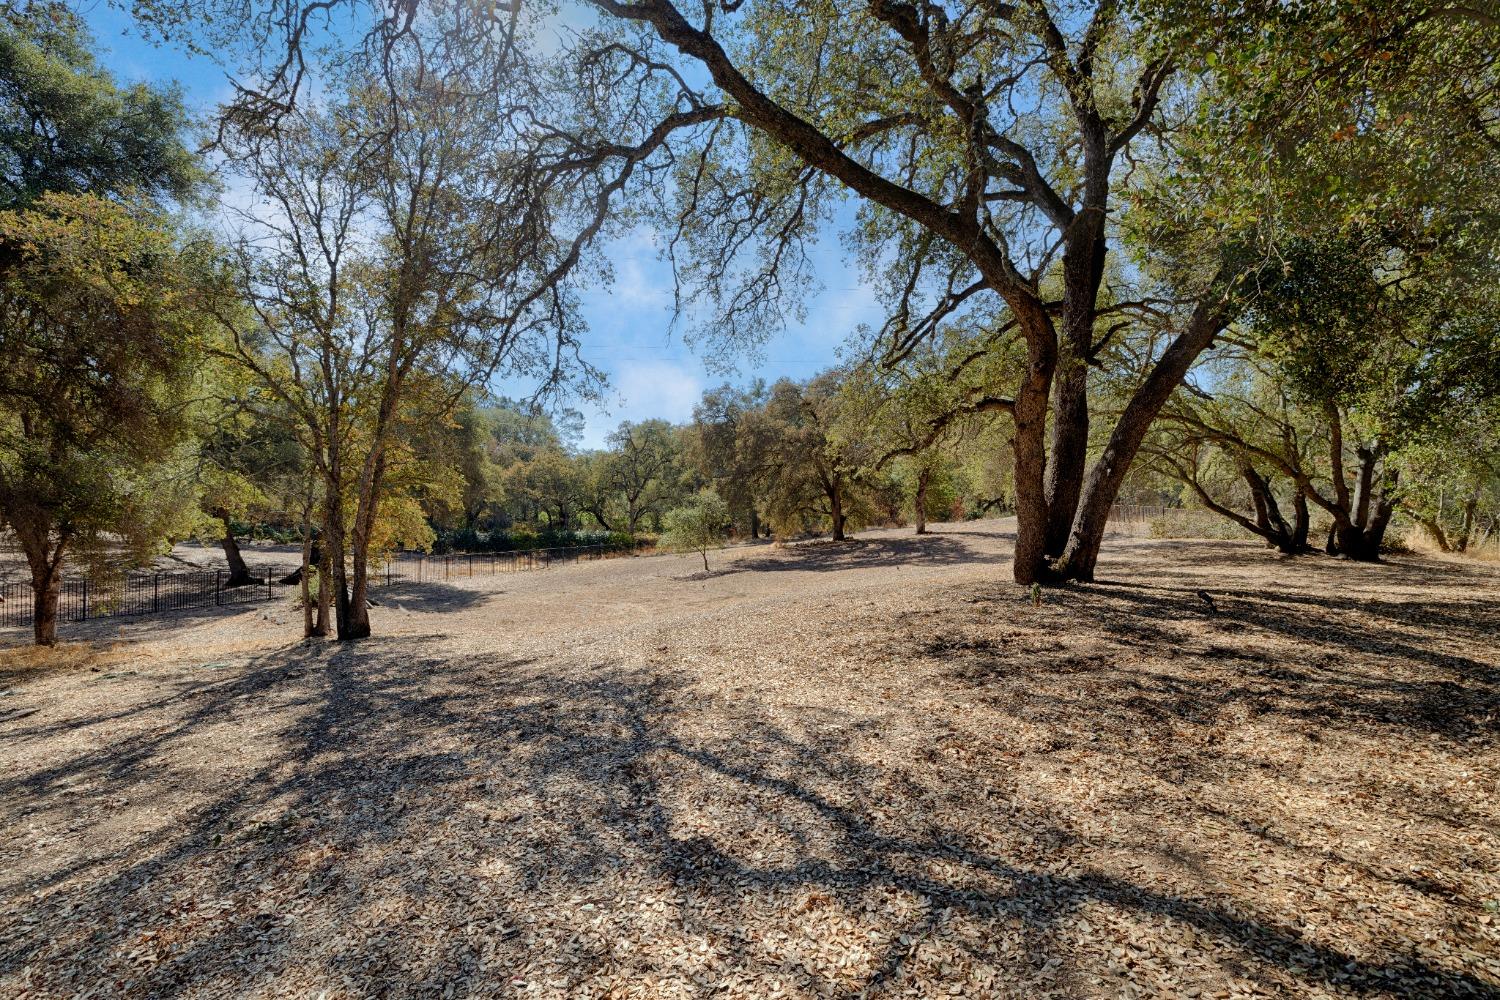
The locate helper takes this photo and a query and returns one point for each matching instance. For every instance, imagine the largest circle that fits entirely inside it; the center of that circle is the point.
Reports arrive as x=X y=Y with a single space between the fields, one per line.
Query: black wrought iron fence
x=419 y=568
x=1128 y=513
x=136 y=593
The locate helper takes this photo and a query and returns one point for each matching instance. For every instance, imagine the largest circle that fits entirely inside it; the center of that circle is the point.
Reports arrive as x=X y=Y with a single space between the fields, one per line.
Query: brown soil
x=867 y=769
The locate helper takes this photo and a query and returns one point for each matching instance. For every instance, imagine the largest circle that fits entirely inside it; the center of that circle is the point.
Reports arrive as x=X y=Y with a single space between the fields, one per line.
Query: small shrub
x=698 y=525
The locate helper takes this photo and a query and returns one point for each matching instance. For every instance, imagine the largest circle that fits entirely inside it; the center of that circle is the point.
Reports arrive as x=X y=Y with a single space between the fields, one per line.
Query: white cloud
x=644 y=390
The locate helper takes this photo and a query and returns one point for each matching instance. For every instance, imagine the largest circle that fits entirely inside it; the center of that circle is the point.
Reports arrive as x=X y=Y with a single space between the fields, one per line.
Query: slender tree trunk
x=357 y=625
x=324 y=558
x=1303 y=521
x=304 y=582
x=336 y=555
x=836 y=510
x=922 y=476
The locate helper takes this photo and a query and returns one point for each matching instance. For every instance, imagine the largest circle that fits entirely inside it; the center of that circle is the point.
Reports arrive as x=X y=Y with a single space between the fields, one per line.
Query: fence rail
x=1138 y=513
x=420 y=568
x=148 y=593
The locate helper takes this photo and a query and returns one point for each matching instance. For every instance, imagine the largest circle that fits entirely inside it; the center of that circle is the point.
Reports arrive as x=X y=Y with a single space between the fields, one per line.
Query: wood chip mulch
x=872 y=770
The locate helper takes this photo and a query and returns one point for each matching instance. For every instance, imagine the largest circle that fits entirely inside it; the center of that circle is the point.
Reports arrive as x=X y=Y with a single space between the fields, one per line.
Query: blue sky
x=652 y=372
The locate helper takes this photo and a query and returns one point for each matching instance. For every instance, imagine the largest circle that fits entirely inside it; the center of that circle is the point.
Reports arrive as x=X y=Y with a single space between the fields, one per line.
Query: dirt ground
x=872 y=769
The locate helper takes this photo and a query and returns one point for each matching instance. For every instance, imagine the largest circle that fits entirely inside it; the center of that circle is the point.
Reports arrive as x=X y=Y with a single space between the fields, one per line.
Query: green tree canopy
x=66 y=125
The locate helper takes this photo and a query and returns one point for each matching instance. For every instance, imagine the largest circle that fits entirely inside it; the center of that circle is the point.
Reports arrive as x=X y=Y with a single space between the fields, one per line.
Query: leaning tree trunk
x=1271 y=524
x=239 y=573
x=1108 y=473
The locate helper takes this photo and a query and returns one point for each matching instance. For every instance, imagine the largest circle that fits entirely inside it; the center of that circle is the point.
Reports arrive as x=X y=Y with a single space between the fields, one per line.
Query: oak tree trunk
x=1108 y=473
x=239 y=573
x=1029 y=446
x=44 y=556
x=922 y=477
x=46 y=586
x=836 y=510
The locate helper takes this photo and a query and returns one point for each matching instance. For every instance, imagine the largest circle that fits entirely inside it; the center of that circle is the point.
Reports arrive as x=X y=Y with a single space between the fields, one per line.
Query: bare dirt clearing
x=827 y=771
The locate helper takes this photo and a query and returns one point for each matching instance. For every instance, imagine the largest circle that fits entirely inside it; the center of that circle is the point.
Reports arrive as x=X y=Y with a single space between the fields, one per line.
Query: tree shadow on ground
x=405 y=814
x=866 y=553
x=429 y=597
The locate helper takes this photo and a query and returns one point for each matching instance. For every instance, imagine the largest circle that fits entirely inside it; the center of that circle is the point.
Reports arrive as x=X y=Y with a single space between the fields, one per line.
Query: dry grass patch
x=28 y=662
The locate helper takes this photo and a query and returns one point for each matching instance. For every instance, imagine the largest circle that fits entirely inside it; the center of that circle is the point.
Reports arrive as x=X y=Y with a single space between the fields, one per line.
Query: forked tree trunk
x=1359 y=530
x=1303 y=521
x=1106 y=476
x=1466 y=528
x=1270 y=523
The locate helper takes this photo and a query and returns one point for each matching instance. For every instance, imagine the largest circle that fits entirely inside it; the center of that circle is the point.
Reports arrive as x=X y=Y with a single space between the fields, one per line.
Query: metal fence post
x=85 y=599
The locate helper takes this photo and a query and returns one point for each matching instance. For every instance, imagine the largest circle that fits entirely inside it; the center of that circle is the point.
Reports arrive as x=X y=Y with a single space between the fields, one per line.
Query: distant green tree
x=728 y=445
x=698 y=525
x=642 y=474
